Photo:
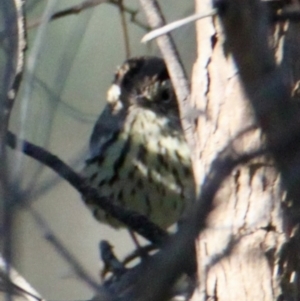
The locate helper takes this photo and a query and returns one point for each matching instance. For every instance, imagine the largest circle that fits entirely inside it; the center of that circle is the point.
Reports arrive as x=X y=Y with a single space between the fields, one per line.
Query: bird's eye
x=165 y=95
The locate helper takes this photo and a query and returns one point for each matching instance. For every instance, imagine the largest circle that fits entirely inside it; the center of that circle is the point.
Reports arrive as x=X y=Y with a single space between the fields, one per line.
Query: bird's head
x=143 y=82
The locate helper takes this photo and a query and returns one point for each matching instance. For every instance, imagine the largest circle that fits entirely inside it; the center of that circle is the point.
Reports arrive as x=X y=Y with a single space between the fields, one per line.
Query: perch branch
x=133 y=220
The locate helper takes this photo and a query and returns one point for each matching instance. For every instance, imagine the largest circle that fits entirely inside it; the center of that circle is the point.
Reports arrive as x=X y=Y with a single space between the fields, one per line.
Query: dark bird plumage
x=138 y=156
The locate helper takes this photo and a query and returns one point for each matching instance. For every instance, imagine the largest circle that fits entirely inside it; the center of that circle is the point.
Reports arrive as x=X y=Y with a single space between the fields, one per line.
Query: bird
x=139 y=158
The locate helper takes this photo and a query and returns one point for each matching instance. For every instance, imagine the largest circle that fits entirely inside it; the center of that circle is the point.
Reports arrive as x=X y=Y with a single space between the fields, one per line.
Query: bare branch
x=15 y=36
x=133 y=15
x=76 y=9
x=16 y=39
x=124 y=28
x=87 y=4
x=174 y=25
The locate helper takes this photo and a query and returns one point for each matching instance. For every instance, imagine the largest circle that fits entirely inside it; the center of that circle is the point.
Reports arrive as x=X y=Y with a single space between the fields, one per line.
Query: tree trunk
x=242 y=255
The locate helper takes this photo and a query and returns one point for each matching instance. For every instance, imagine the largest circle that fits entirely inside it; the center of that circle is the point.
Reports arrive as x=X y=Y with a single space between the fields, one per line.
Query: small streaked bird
x=138 y=155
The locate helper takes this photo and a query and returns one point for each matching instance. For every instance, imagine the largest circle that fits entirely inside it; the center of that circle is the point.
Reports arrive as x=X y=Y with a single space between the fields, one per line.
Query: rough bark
x=240 y=252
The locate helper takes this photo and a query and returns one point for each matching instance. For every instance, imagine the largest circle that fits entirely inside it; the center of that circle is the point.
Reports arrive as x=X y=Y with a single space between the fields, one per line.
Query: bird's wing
x=105 y=131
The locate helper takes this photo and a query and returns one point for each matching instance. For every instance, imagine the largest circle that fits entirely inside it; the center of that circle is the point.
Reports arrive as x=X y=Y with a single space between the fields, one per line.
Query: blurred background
x=71 y=65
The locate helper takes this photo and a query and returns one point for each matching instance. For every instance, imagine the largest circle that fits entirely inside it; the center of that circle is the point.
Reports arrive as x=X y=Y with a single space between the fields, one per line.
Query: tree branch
x=15 y=41
x=87 y=4
x=132 y=219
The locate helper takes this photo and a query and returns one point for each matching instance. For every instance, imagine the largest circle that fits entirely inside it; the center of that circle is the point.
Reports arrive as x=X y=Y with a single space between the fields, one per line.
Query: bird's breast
x=146 y=169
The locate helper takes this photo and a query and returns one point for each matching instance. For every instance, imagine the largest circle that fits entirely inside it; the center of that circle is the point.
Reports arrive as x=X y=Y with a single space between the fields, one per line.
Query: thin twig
x=73 y=10
x=133 y=15
x=125 y=29
x=87 y=4
x=174 y=25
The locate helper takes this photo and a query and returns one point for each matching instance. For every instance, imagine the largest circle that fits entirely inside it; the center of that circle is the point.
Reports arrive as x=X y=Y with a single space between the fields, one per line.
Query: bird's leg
x=111 y=263
x=142 y=253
